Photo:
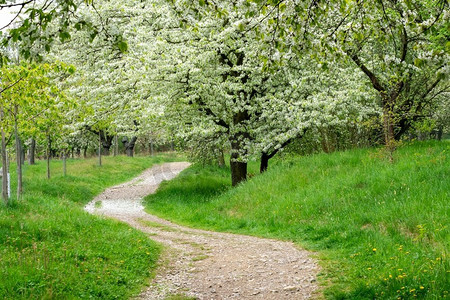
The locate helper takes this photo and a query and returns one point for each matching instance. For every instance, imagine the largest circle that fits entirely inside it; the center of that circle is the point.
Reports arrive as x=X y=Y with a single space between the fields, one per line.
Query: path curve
x=205 y=264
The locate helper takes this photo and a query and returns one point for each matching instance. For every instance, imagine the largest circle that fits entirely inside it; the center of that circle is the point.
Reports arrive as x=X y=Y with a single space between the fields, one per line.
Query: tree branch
x=373 y=78
x=12 y=85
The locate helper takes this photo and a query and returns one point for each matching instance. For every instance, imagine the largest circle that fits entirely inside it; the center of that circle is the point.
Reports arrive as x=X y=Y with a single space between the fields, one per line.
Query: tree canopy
x=249 y=77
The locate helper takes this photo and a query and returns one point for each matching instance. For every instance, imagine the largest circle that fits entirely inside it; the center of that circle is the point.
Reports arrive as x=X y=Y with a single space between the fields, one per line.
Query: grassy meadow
x=380 y=230
x=51 y=249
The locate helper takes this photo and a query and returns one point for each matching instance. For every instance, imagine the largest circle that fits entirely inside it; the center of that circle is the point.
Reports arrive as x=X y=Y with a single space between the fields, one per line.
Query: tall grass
x=51 y=249
x=380 y=230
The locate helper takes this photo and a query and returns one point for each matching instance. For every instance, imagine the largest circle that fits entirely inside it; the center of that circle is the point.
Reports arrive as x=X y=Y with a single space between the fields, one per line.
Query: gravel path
x=205 y=264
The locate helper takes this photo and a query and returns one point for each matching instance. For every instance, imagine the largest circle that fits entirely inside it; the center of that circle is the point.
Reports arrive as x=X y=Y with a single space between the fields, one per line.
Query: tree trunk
x=18 y=159
x=64 y=163
x=105 y=150
x=238 y=151
x=129 y=145
x=264 y=162
x=32 y=151
x=116 y=145
x=439 y=133
x=5 y=195
x=388 y=128
x=152 y=149
x=100 y=149
x=404 y=124
x=22 y=152
x=106 y=141
x=85 y=152
x=4 y=163
x=325 y=141
x=221 y=159
x=238 y=169
x=49 y=147
x=265 y=156
x=146 y=146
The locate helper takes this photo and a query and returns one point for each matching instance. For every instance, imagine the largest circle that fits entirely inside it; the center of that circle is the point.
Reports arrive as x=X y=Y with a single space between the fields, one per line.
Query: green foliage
x=123 y=46
x=380 y=230
x=31 y=96
x=41 y=24
x=51 y=248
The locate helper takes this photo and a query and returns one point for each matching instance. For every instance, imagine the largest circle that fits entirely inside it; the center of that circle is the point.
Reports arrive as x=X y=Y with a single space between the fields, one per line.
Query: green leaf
x=418 y=62
x=64 y=35
x=71 y=69
x=123 y=46
x=93 y=36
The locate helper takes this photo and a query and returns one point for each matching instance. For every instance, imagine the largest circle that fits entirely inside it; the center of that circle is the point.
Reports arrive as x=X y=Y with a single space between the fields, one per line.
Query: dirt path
x=204 y=264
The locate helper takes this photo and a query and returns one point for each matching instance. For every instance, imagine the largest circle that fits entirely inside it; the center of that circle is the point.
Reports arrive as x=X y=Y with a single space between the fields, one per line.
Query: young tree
x=5 y=195
x=31 y=101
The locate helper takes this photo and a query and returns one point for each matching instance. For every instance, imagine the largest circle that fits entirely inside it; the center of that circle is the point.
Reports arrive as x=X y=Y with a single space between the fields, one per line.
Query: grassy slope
x=381 y=230
x=51 y=248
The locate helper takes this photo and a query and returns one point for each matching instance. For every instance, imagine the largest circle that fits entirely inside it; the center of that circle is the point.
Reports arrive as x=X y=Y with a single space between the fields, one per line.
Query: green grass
x=380 y=230
x=51 y=249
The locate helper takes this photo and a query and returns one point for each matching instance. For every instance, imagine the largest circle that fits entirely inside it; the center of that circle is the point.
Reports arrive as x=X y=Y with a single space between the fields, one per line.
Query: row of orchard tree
x=248 y=77
x=31 y=105
x=39 y=115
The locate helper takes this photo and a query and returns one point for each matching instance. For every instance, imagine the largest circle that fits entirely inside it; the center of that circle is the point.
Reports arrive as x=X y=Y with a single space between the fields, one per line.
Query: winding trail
x=205 y=264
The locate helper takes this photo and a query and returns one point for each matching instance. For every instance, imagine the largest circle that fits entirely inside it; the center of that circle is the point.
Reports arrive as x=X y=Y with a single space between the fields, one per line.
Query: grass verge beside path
x=51 y=249
x=381 y=230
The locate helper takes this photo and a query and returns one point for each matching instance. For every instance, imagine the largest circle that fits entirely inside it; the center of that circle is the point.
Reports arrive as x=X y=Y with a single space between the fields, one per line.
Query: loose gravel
x=204 y=264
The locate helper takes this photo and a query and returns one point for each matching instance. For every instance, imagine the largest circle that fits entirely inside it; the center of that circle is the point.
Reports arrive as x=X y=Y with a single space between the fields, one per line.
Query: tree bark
x=221 y=159
x=403 y=126
x=264 y=162
x=266 y=156
x=64 y=163
x=129 y=145
x=4 y=163
x=49 y=147
x=32 y=151
x=18 y=158
x=22 y=152
x=324 y=142
x=388 y=124
x=238 y=168
x=100 y=149
x=152 y=148
x=439 y=133
x=106 y=141
x=388 y=128
x=116 y=145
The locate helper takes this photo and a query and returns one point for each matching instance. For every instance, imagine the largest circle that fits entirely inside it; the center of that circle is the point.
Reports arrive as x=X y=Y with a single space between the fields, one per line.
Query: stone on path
x=205 y=264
